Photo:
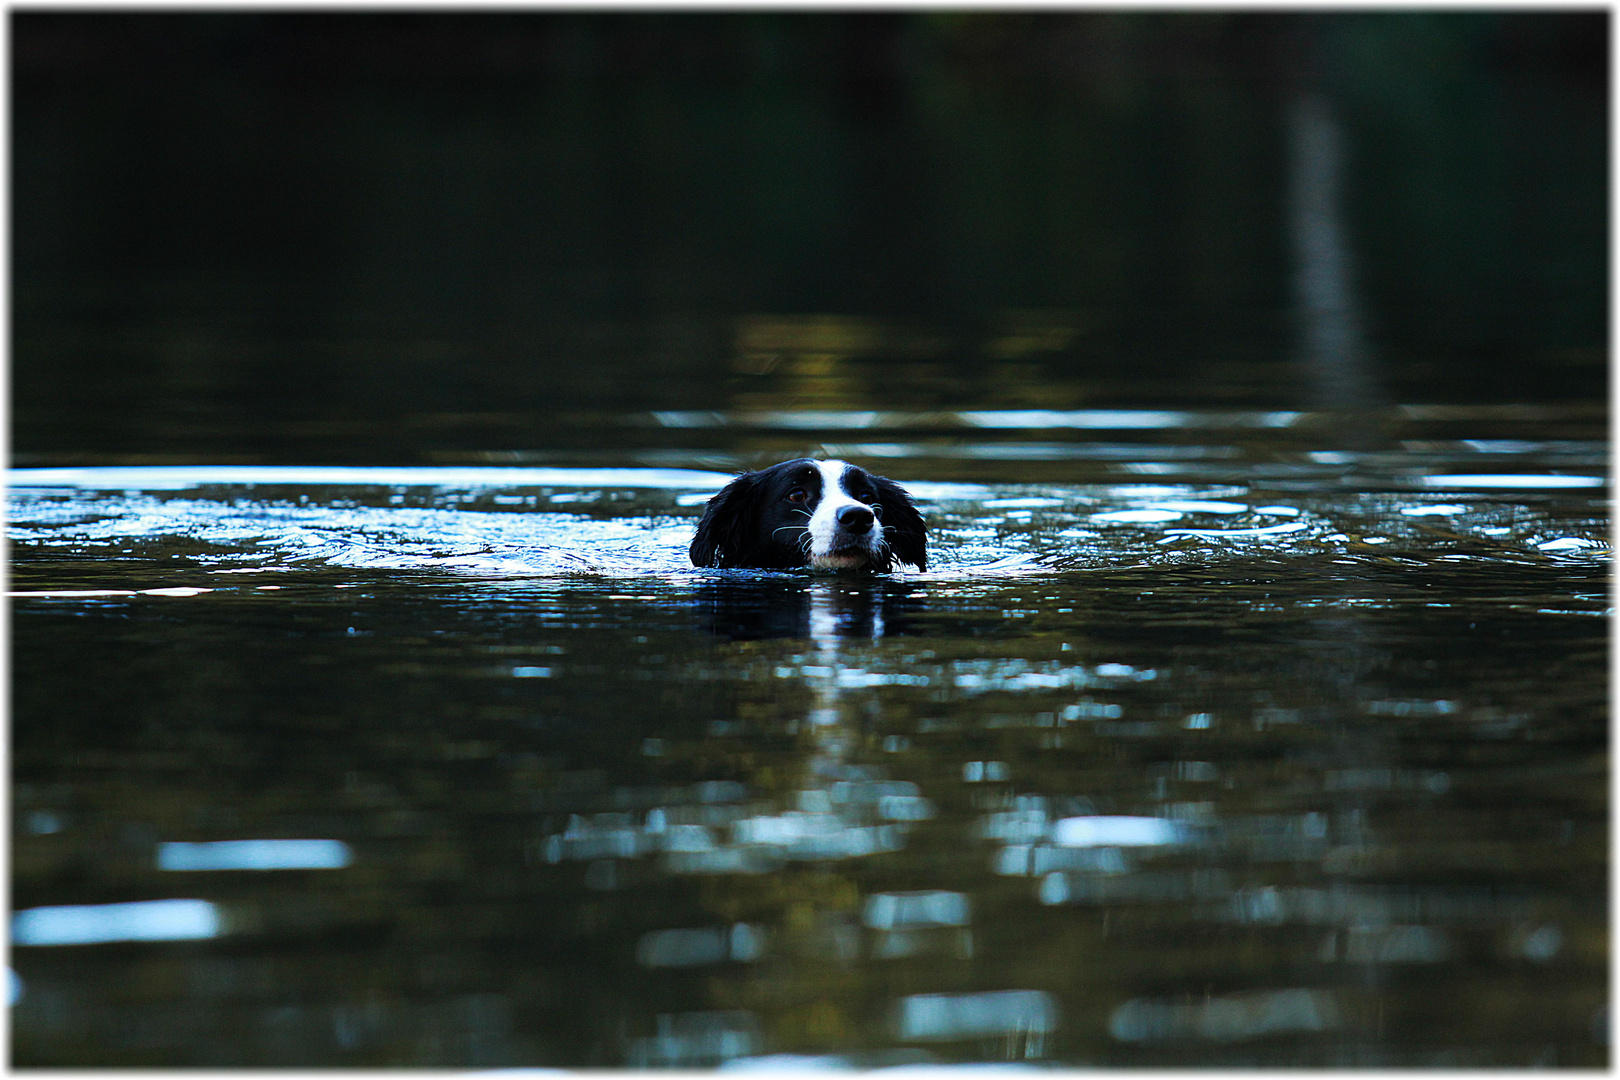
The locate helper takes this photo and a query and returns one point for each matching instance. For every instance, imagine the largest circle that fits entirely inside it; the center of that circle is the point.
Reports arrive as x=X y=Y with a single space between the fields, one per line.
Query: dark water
x=1157 y=767
x=425 y=238
x=369 y=372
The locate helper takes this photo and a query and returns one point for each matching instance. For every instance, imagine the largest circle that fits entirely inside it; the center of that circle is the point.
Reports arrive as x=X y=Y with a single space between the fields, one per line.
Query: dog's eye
x=797 y=495
x=867 y=497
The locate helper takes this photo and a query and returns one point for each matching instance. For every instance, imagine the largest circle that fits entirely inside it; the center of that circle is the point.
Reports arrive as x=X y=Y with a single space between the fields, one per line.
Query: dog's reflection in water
x=822 y=610
x=835 y=617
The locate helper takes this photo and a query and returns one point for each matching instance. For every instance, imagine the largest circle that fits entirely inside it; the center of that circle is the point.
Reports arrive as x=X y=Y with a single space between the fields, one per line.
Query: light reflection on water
x=1142 y=773
x=626 y=522
x=1014 y=419
x=98 y=924
x=255 y=855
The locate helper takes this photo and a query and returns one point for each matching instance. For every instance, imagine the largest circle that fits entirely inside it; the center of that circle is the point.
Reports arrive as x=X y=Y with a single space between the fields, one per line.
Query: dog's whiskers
x=860 y=542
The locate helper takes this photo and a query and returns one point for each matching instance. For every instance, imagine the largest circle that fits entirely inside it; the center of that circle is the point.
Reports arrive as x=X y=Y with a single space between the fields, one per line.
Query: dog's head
x=826 y=515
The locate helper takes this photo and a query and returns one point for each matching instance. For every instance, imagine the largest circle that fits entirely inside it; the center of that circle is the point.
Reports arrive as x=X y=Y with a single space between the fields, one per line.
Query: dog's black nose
x=855 y=519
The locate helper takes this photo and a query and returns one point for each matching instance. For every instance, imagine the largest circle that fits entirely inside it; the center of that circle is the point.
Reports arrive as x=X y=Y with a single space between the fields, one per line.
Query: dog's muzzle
x=852 y=544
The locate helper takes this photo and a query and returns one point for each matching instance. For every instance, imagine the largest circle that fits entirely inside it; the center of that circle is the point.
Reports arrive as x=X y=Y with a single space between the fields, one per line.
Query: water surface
x=1232 y=748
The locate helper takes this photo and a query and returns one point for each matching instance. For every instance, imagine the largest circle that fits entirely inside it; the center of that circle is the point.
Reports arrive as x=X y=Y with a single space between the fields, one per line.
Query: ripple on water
x=636 y=522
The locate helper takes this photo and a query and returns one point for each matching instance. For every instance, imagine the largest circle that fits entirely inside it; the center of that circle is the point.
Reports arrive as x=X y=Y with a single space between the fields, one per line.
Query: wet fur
x=752 y=523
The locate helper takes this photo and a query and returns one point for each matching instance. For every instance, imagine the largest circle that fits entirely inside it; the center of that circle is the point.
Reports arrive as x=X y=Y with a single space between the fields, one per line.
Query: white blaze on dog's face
x=833 y=546
x=826 y=515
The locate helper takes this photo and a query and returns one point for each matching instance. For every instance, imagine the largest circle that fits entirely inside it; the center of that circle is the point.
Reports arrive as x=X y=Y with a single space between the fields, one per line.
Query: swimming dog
x=821 y=515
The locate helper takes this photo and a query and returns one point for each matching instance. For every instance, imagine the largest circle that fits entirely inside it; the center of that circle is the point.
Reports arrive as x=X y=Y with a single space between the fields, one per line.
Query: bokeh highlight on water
x=370 y=373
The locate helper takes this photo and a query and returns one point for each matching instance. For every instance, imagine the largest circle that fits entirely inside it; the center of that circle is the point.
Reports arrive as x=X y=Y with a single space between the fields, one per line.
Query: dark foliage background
x=369 y=236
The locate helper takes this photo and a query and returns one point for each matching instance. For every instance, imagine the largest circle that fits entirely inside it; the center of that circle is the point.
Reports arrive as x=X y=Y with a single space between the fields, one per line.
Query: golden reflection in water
x=839 y=361
x=807 y=358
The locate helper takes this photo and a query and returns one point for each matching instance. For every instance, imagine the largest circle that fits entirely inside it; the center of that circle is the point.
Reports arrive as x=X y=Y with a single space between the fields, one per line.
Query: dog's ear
x=723 y=533
x=903 y=527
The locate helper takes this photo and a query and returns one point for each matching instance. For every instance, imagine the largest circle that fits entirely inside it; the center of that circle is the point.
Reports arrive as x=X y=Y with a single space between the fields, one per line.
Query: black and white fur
x=822 y=515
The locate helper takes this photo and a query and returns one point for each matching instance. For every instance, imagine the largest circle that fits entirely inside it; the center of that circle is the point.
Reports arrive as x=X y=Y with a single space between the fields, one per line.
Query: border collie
x=825 y=515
